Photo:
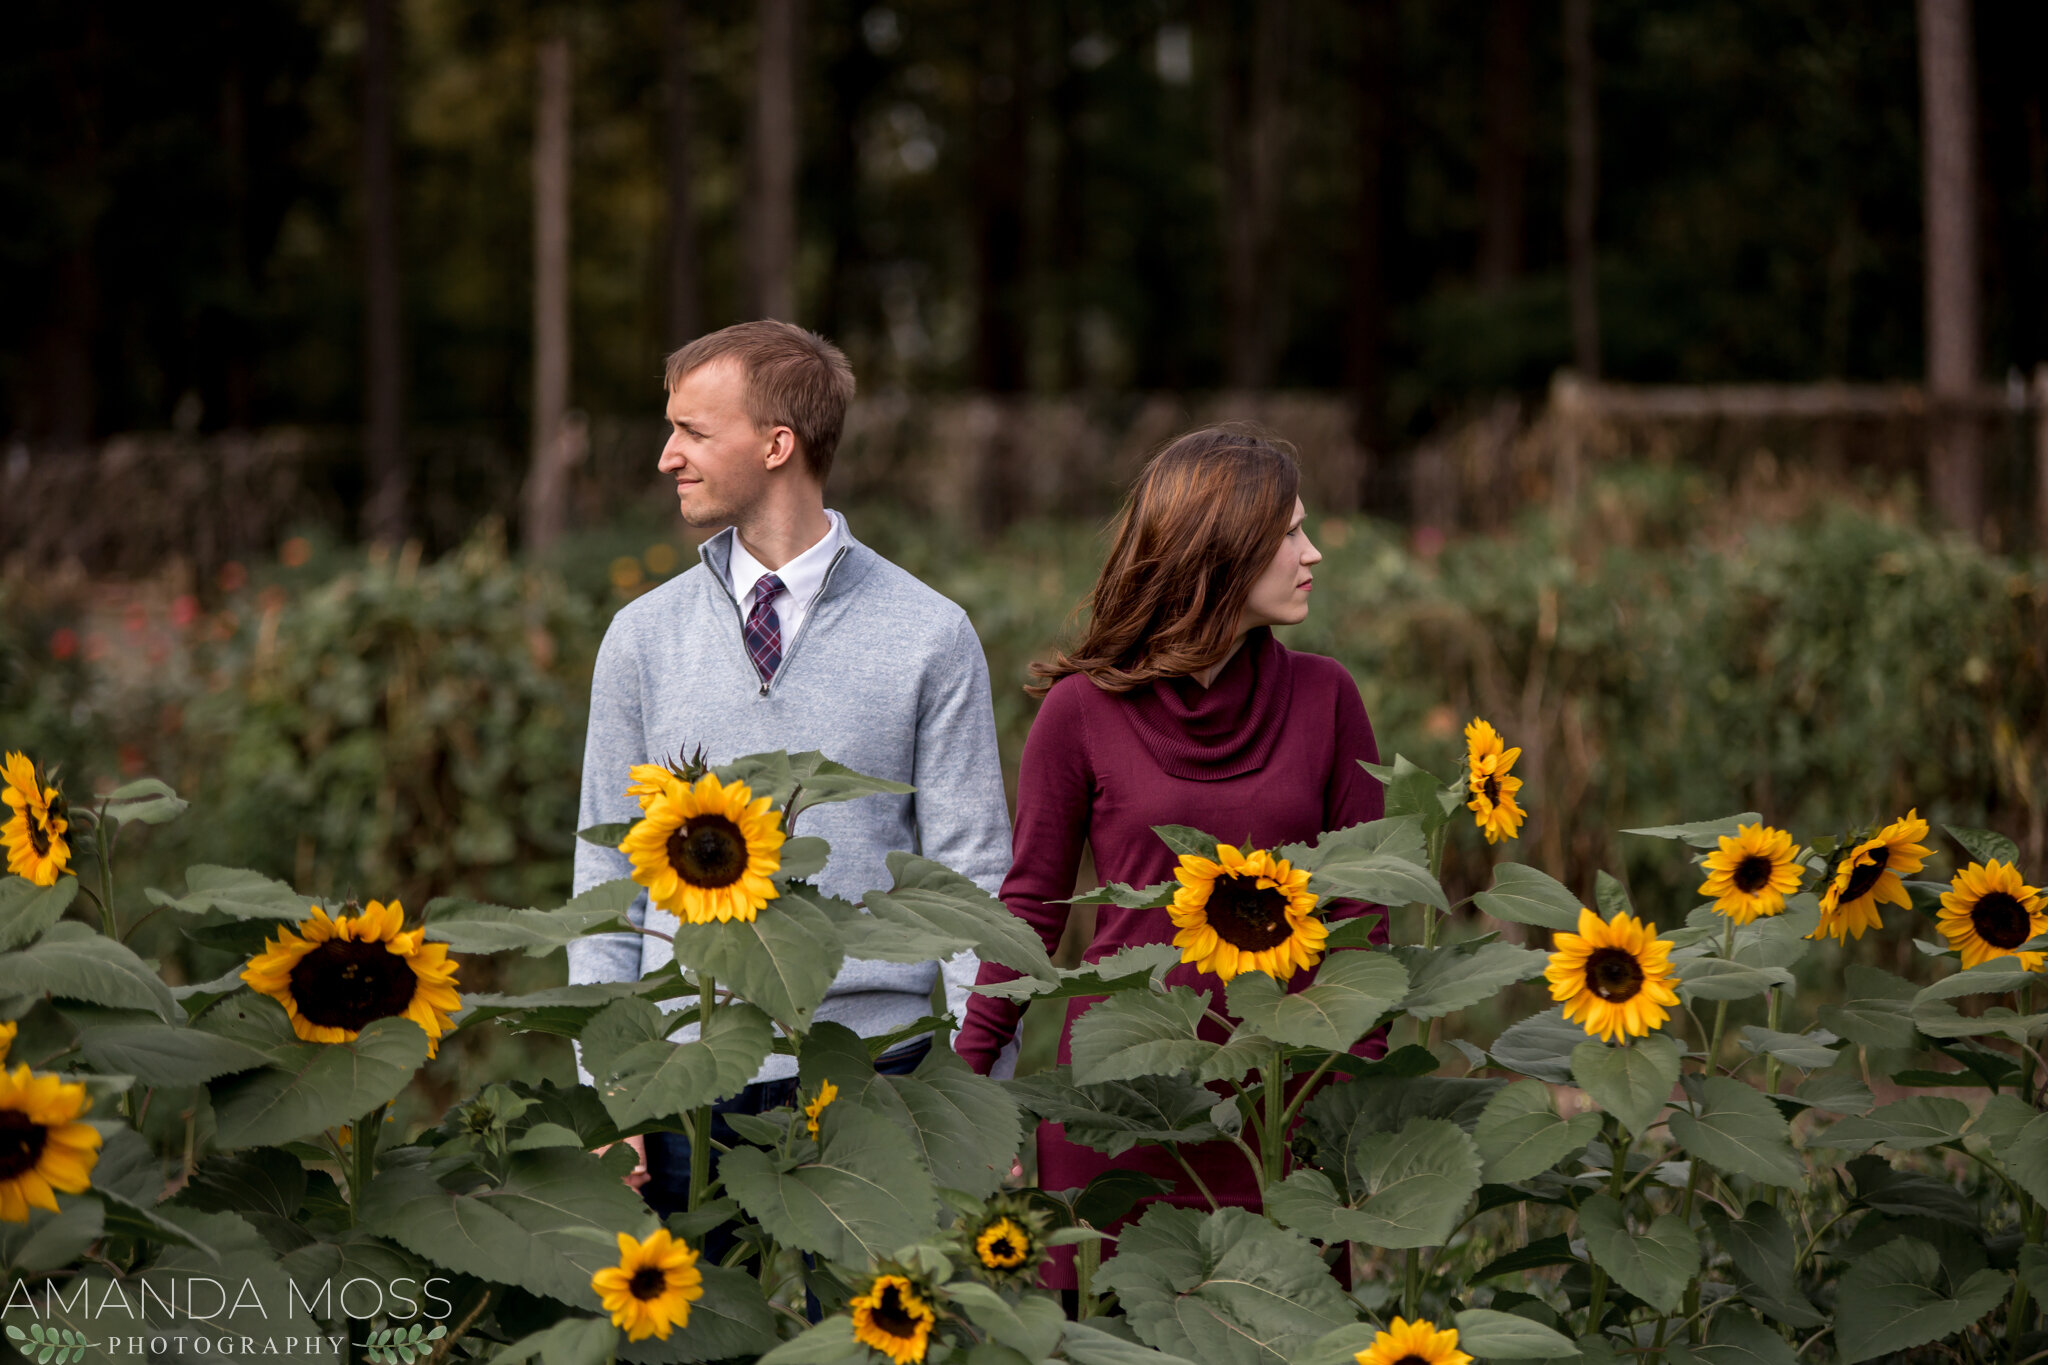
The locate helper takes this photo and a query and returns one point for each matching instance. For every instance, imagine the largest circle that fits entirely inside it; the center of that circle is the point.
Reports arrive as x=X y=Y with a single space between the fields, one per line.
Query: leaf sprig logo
x=50 y=1345
x=401 y=1345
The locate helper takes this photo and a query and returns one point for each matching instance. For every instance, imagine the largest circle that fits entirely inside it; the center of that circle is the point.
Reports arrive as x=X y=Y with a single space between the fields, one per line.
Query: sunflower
x=1414 y=1343
x=1870 y=873
x=7 y=1032
x=827 y=1093
x=650 y=1290
x=1752 y=873
x=34 y=833
x=334 y=976
x=892 y=1318
x=1487 y=763
x=1989 y=912
x=705 y=852
x=1245 y=913
x=649 y=781
x=1614 y=977
x=42 y=1146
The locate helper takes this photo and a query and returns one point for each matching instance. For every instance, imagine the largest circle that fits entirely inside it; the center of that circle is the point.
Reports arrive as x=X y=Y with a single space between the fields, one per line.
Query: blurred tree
x=386 y=469
x=1582 y=196
x=1252 y=48
x=1503 y=156
x=1002 y=112
x=554 y=445
x=771 y=189
x=1366 y=326
x=1948 y=122
x=683 y=306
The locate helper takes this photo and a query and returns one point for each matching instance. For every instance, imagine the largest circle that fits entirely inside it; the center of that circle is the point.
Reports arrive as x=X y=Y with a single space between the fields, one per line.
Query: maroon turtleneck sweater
x=1270 y=750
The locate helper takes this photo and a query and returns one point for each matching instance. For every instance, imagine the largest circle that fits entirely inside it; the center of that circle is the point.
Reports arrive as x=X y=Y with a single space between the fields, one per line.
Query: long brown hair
x=1198 y=528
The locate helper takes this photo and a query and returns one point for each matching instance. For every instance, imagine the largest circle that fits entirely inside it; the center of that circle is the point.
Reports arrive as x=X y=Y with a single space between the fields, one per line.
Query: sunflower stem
x=1273 y=1140
x=363 y=1168
x=700 y=1120
x=1411 y=1291
x=110 y=924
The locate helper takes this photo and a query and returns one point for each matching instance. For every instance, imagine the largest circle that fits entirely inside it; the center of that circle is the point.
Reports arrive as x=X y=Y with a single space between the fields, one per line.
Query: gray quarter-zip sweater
x=883 y=675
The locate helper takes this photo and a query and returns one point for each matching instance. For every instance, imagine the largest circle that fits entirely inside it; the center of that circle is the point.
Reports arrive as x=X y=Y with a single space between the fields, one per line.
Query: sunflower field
x=1675 y=1161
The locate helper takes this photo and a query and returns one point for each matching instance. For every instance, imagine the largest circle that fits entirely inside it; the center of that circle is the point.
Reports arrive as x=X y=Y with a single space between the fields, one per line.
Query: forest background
x=329 y=390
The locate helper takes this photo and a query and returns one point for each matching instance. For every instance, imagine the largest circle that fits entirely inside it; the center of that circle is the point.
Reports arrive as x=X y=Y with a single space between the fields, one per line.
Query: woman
x=1178 y=707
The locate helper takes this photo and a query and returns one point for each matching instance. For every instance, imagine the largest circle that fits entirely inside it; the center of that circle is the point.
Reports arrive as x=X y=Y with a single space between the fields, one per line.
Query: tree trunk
x=1504 y=155
x=1582 y=190
x=771 y=203
x=1948 y=139
x=999 y=190
x=547 y=481
x=387 y=472
x=684 y=317
x=1252 y=135
x=1366 y=325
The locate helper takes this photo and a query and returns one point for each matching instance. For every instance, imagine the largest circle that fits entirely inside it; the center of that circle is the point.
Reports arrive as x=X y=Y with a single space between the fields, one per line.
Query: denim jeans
x=667 y=1189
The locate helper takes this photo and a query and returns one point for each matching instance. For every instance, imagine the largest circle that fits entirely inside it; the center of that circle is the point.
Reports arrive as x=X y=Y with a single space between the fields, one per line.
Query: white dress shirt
x=801 y=578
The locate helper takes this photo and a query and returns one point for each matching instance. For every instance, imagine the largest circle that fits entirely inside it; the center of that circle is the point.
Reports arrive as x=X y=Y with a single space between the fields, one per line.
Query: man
x=790 y=635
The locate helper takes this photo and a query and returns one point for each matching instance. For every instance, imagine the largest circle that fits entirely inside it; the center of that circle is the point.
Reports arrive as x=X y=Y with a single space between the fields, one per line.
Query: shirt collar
x=801 y=577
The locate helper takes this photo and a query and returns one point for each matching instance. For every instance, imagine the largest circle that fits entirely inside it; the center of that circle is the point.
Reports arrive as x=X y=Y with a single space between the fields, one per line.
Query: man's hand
x=638 y=1176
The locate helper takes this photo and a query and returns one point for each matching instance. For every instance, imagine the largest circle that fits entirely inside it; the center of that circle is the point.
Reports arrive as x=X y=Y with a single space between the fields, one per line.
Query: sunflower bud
x=1005 y=1246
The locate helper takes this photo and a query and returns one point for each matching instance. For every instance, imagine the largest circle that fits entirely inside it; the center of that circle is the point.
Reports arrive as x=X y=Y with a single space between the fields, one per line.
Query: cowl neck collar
x=1229 y=728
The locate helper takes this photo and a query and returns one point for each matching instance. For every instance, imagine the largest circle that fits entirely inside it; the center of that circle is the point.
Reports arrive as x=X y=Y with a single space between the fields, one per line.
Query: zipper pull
x=764 y=689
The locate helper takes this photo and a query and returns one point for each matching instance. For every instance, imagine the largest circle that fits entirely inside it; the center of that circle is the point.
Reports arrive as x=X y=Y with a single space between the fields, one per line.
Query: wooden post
x=547 y=480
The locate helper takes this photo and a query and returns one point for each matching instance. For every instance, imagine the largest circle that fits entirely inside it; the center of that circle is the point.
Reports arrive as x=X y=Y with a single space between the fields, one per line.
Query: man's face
x=716 y=455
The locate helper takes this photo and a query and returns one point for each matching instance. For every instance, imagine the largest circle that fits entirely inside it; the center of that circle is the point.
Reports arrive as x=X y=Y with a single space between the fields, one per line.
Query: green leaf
x=1984 y=845
x=1381 y=878
x=2026 y=1160
x=1915 y=1122
x=1086 y=1345
x=165 y=1054
x=1891 y=1300
x=1397 y=837
x=1632 y=1083
x=1114 y=1193
x=572 y=1341
x=1540 y=1046
x=1411 y=1187
x=1224 y=1288
x=828 y=1343
x=1411 y=791
x=1520 y=1134
x=74 y=962
x=821 y=782
x=1187 y=841
x=1523 y=895
x=1835 y=1090
x=1030 y=1325
x=1737 y=1338
x=1705 y=834
x=1737 y=1129
x=27 y=910
x=1653 y=1265
x=1139 y=1033
x=1155 y=897
x=1997 y=976
x=50 y=1241
x=308 y=1087
x=1352 y=990
x=235 y=892
x=732 y=1321
x=145 y=801
x=1505 y=1336
x=966 y=1127
x=607 y=835
x=472 y=927
x=864 y=1194
x=1611 y=896
x=1716 y=978
x=1762 y=1247
x=643 y=1076
x=1807 y=1051
x=1115 y=1117
x=783 y=960
x=930 y=897
x=1874 y=1010
x=1132 y=969
x=1441 y=980
x=533 y=1231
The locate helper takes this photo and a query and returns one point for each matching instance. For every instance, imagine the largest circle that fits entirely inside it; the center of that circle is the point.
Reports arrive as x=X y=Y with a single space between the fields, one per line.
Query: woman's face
x=1280 y=597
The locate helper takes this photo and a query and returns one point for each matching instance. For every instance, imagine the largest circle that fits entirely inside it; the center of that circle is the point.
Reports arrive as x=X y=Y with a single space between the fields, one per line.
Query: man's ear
x=781 y=447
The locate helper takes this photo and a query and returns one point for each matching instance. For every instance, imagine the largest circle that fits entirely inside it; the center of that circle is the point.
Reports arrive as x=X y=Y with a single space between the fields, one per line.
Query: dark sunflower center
x=1614 y=975
x=38 y=836
x=1411 y=1360
x=1003 y=1251
x=648 y=1282
x=1866 y=874
x=2002 y=921
x=347 y=985
x=708 y=850
x=21 y=1143
x=1492 y=790
x=1248 y=917
x=1752 y=874
x=891 y=1316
